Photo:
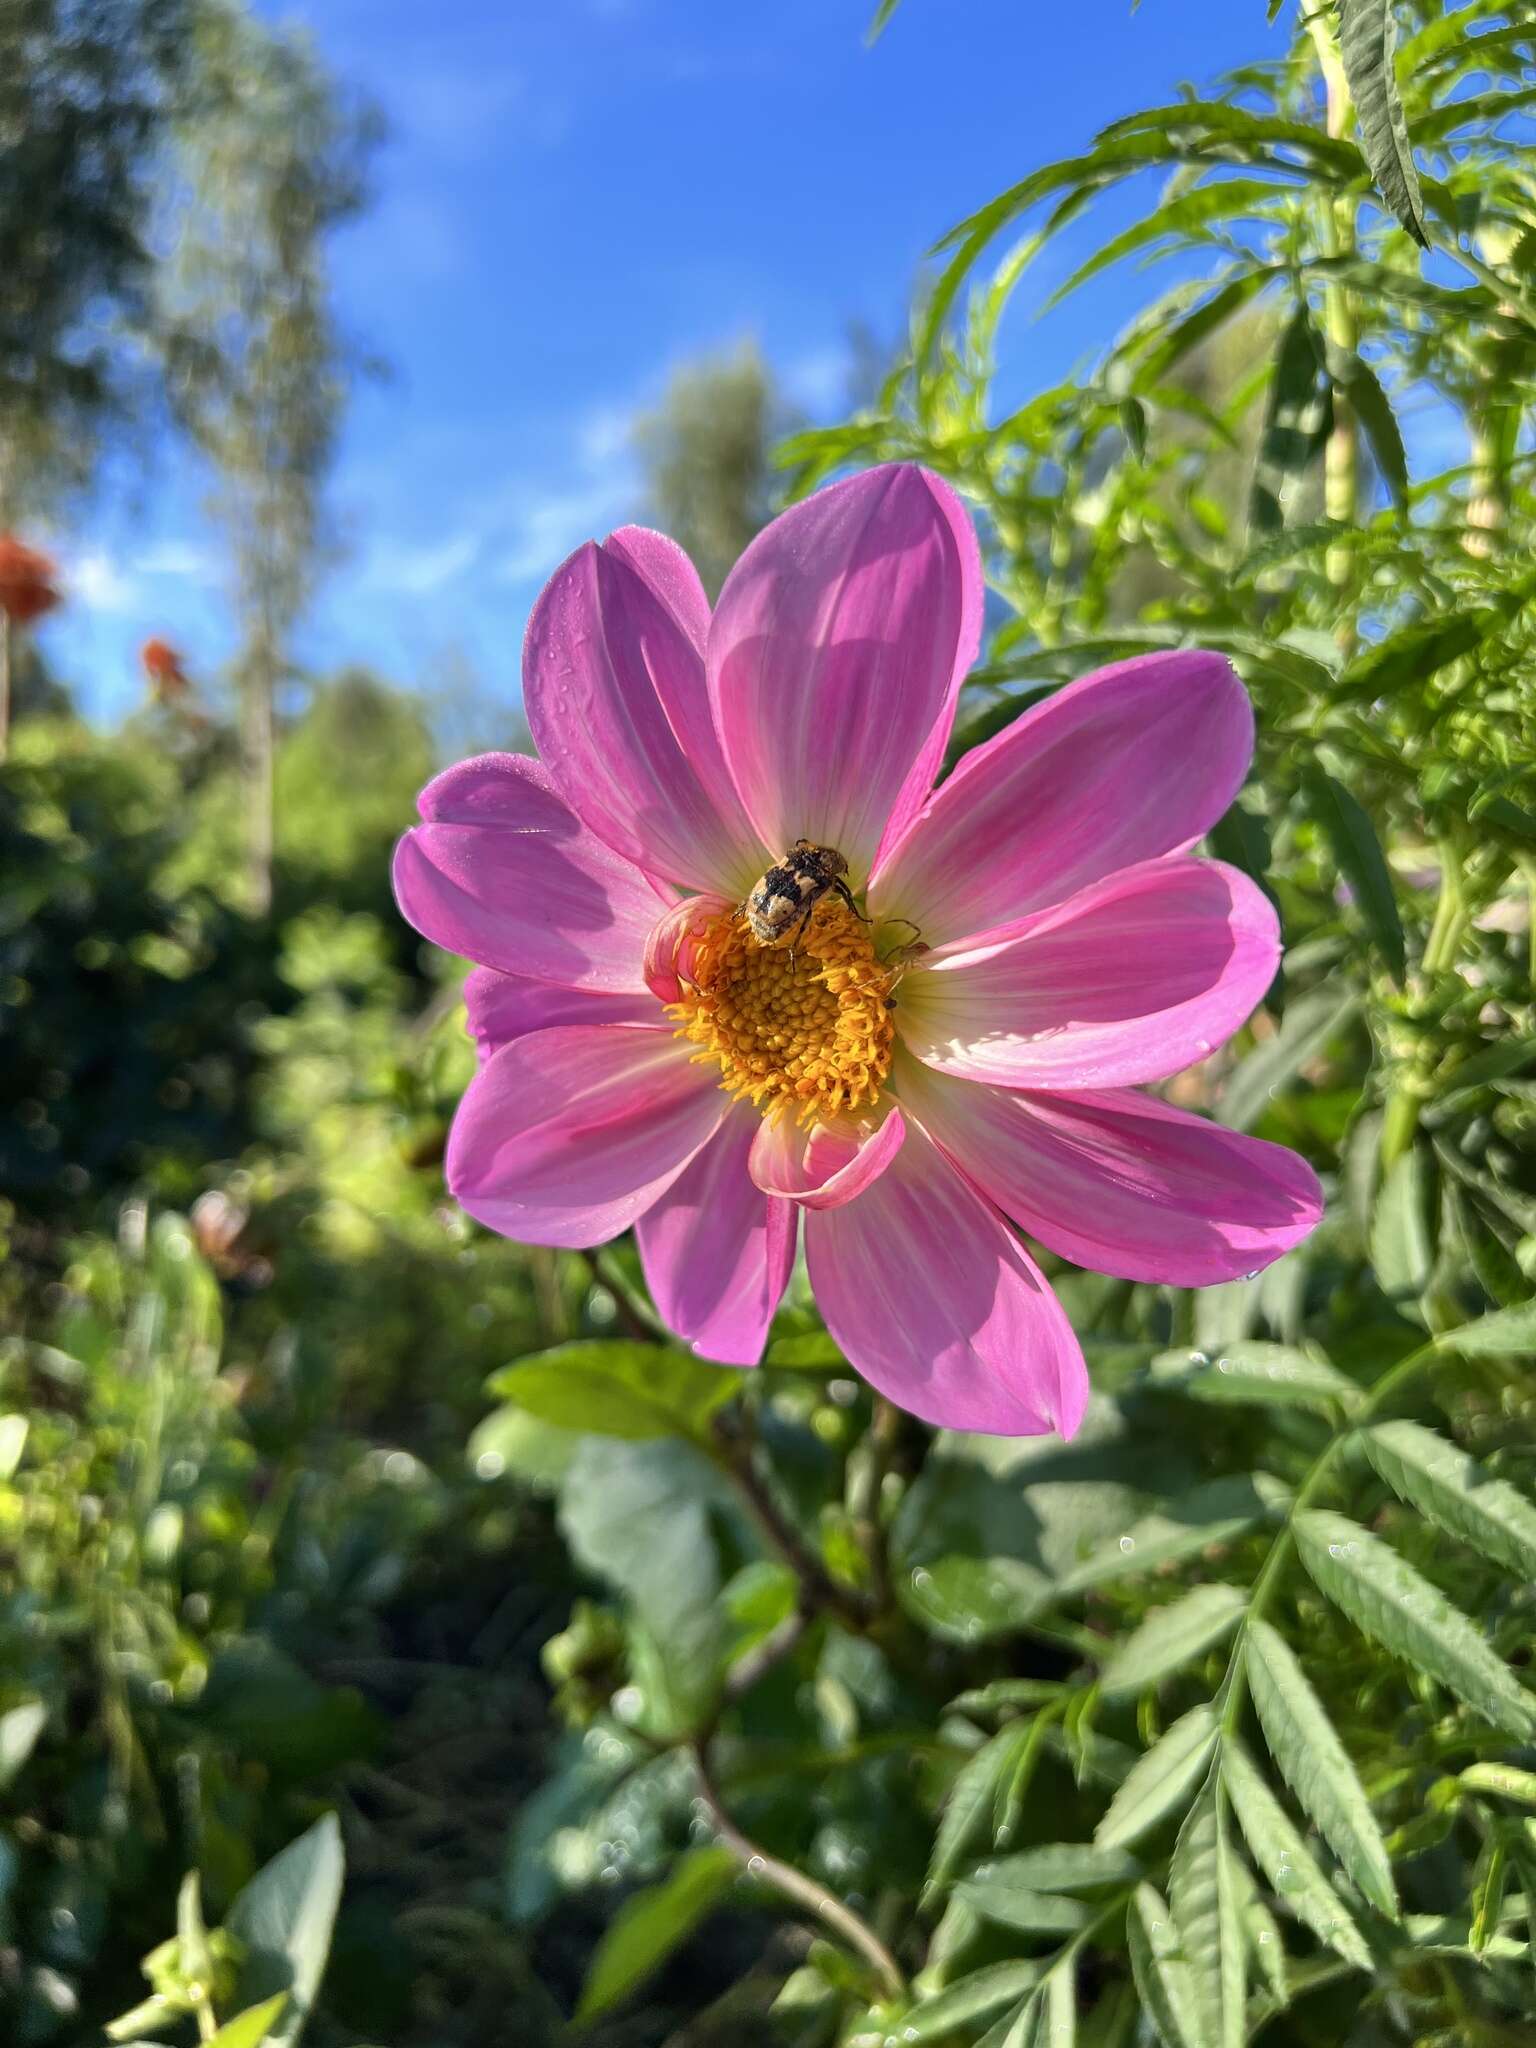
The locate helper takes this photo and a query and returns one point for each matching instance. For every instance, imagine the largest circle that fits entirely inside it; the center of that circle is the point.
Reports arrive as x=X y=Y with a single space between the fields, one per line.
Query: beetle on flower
x=965 y=1053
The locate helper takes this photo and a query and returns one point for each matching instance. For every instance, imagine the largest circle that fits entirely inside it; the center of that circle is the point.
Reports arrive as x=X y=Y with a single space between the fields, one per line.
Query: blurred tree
x=705 y=451
x=84 y=89
x=273 y=162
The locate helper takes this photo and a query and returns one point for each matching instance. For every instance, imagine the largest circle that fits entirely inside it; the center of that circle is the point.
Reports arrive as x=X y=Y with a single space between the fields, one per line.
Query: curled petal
x=613 y=681
x=1129 y=981
x=1130 y=763
x=1122 y=1183
x=937 y=1304
x=506 y=1006
x=566 y=1136
x=669 y=949
x=717 y=1251
x=501 y=871
x=834 y=653
x=829 y=1165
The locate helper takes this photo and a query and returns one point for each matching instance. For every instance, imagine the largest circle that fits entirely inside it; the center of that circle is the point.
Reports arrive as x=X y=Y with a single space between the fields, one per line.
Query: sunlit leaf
x=1158 y=1782
x=649 y=1926
x=1368 y=45
x=1285 y=1859
x=1455 y=1491
x=1172 y=1637
x=1385 y=1597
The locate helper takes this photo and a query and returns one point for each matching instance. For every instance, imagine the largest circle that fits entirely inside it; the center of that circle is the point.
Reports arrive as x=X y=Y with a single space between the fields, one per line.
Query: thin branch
x=818 y=1589
x=825 y=1906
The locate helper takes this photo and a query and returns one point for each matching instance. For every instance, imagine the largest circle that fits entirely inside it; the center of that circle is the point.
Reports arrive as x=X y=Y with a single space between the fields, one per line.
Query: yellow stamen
x=801 y=1026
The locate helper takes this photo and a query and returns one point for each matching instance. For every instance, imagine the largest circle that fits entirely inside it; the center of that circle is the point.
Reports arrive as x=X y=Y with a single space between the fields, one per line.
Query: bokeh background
x=324 y=335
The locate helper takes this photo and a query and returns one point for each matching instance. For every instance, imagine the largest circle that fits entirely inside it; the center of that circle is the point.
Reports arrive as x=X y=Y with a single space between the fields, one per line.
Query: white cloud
x=552 y=527
x=101 y=584
x=421 y=570
x=188 y=560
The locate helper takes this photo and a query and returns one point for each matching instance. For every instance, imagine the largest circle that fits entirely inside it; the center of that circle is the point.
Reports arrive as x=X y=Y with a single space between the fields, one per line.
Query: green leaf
x=1202 y=1889
x=1285 y=1859
x=1453 y=1490
x=1357 y=853
x=973 y=1798
x=1368 y=45
x=1172 y=1637
x=1162 y=1972
x=1312 y=1022
x=883 y=14
x=1509 y=1333
x=1296 y=421
x=649 y=1926
x=1215 y=1512
x=1266 y=1944
x=619 y=1389
x=1062 y=1867
x=1010 y=1904
x=1315 y=1764
x=1156 y=1783
x=1353 y=375
x=968 y=1999
x=1388 y=1600
x=1401 y=1250
x=284 y=1918
x=641 y=1515
x=1049 y=2018
x=19 y=1729
x=1251 y=1373
x=1419 y=650
x=250 y=2029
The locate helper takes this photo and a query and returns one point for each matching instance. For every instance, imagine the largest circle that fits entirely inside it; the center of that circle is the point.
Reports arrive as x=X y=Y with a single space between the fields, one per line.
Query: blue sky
x=574 y=199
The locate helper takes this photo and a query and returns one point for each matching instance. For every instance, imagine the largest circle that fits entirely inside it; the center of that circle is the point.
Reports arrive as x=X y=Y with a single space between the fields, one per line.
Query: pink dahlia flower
x=955 y=1051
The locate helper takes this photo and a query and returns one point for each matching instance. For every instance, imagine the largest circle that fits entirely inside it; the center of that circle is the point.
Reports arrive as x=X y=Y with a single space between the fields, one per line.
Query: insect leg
x=842 y=890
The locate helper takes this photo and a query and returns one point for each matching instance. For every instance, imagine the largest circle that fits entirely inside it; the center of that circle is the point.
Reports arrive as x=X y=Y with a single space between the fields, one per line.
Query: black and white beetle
x=782 y=902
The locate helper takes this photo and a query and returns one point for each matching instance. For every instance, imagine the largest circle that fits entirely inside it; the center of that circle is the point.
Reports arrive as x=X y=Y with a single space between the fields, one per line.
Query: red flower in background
x=27 y=586
x=162 y=665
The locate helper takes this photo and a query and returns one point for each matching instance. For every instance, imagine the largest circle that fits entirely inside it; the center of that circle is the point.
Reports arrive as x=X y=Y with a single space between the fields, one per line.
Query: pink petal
x=934 y=1300
x=671 y=575
x=506 y=1006
x=716 y=1251
x=1123 y=1183
x=828 y=1167
x=1129 y=981
x=834 y=653
x=567 y=1136
x=613 y=682
x=501 y=872
x=1126 y=764
x=669 y=950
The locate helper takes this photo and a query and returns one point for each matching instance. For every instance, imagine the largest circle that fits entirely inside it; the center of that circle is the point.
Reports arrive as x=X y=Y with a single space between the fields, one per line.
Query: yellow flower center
x=802 y=1026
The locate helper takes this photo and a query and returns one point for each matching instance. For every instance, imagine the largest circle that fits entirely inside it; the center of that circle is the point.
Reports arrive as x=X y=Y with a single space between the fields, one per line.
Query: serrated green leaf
x=1157 y=1783
x=1252 y=1373
x=1368 y=46
x=1049 y=2016
x=1172 y=1637
x=1314 y=1763
x=1454 y=1491
x=1202 y=1891
x=1216 y=1512
x=1009 y=1904
x=1360 y=861
x=648 y=1927
x=1285 y=1859
x=973 y=1796
x=1266 y=1944
x=1353 y=375
x=1062 y=1867
x=1508 y=1333
x=284 y=1919
x=1417 y=651
x=1162 y=1971
x=969 y=1998
x=618 y=1389
x=1390 y=1602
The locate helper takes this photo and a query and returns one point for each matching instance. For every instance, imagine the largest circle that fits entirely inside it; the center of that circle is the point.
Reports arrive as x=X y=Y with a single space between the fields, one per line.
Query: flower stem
x=733 y=1455
x=827 y=1908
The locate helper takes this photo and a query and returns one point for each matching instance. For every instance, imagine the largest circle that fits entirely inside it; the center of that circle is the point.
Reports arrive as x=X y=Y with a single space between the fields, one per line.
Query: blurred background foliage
x=761 y=1712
